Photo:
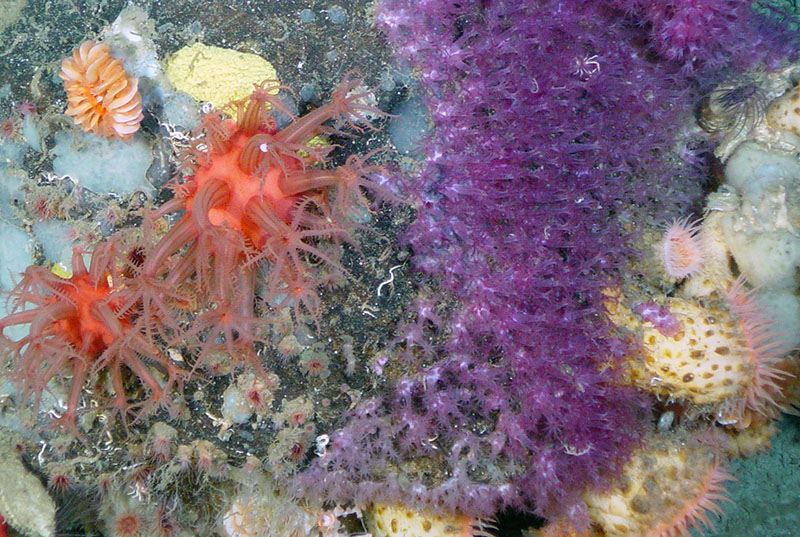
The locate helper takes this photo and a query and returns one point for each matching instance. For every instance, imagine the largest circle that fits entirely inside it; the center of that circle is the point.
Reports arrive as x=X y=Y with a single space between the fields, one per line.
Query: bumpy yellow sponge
x=707 y=362
x=666 y=488
x=384 y=520
x=709 y=351
x=217 y=75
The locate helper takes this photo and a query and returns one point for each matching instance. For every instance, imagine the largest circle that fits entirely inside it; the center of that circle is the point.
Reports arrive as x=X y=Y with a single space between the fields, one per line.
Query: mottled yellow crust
x=217 y=75
x=783 y=114
x=703 y=363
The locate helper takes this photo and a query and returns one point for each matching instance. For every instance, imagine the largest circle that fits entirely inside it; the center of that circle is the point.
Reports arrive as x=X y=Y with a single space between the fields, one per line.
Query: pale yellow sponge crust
x=24 y=502
x=563 y=528
x=385 y=520
x=715 y=273
x=217 y=75
x=783 y=113
x=667 y=487
x=755 y=439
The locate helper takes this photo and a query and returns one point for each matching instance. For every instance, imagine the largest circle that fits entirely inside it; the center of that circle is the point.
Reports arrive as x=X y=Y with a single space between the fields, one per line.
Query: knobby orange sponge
x=101 y=97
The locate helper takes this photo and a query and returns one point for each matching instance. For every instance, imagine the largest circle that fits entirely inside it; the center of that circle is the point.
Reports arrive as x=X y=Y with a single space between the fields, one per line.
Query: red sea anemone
x=255 y=198
x=76 y=333
x=254 y=195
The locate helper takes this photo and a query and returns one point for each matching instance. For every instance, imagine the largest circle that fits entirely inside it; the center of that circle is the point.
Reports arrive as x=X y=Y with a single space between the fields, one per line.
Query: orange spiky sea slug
x=765 y=346
x=101 y=97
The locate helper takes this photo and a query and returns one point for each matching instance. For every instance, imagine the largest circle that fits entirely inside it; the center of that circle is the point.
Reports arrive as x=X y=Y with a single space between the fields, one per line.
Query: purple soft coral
x=708 y=34
x=548 y=115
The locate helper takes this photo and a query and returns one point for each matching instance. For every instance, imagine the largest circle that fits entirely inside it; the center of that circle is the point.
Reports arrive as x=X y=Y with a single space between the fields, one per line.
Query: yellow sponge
x=217 y=75
x=387 y=520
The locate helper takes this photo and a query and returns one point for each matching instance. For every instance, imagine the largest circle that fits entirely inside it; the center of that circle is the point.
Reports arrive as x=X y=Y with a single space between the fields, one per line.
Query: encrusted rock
x=737 y=108
x=24 y=502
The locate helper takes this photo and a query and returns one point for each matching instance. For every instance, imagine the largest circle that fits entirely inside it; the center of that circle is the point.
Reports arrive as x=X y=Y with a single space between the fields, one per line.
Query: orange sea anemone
x=102 y=97
x=682 y=251
x=765 y=346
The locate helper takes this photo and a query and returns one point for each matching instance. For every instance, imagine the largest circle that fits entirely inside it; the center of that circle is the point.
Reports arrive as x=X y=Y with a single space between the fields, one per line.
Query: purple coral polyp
x=549 y=117
x=660 y=317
